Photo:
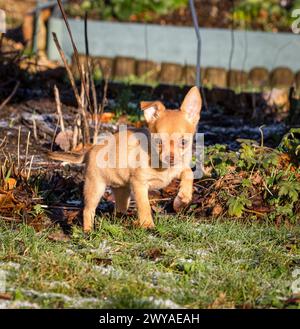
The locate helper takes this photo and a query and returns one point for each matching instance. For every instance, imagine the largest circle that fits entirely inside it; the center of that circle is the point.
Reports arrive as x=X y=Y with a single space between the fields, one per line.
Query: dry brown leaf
x=6 y=200
x=10 y=183
x=217 y=210
x=58 y=236
x=256 y=179
x=64 y=140
x=102 y=261
x=154 y=253
x=6 y=296
x=104 y=117
x=172 y=188
x=222 y=302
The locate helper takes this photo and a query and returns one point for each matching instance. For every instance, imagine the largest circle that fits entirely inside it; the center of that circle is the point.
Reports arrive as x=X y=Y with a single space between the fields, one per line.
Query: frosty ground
x=184 y=262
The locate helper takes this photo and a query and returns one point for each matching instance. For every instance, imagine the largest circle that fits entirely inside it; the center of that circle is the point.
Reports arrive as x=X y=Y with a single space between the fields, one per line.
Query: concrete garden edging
x=177 y=45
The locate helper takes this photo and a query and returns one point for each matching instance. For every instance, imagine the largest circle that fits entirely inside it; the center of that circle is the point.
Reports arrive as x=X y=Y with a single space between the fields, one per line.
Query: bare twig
x=19 y=138
x=2 y=144
x=27 y=147
x=103 y=103
x=262 y=136
x=75 y=50
x=70 y=75
x=55 y=131
x=76 y=131
x=58 y=107
x=30 y=166
x=34 y=129
x=73 y=84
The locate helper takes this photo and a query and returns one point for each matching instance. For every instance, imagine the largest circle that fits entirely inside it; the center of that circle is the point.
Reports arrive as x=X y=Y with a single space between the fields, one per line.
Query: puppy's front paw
x=181 y=201
x=147 y=224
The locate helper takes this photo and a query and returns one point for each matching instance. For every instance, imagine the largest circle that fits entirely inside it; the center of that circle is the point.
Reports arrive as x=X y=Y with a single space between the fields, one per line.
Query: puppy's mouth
x=168 y=161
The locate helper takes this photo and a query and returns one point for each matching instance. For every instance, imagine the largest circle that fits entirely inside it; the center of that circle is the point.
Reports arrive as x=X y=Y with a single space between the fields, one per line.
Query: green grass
x=184 y=262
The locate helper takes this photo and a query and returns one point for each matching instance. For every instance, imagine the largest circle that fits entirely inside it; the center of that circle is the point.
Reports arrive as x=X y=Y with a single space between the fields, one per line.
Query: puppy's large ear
x=152 y=110
x=191 y=105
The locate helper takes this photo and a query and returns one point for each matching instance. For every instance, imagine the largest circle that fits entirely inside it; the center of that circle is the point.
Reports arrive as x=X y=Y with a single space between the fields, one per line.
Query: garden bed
x=241 y=14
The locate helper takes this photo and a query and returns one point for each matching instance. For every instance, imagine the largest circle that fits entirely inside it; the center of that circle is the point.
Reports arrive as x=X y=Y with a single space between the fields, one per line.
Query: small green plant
x=256 y=180
x=236 y=205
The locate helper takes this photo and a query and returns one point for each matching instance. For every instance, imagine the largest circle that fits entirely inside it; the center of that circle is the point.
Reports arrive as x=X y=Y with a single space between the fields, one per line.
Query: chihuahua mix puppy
x=126 y=164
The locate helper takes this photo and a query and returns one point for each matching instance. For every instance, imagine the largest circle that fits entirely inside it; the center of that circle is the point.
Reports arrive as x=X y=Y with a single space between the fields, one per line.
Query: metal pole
x=199 y=46
x=37 y=27
x=196 y=25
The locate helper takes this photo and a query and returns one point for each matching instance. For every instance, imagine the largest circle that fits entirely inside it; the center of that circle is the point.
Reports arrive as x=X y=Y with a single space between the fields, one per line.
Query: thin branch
x=58 y=107
x=74 y=49
x=70 y=75
x=73 y=84
x=18 y=146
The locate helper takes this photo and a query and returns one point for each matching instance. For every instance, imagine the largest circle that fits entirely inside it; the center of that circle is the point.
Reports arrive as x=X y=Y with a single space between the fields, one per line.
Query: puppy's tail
x=67 y=157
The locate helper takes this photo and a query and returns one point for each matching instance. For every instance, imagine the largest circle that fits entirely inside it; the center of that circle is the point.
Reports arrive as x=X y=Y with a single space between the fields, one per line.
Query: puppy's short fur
x=141 y=179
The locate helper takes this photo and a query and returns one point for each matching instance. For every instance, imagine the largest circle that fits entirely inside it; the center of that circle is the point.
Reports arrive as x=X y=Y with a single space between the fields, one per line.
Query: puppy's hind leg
x=94 y=189
x=122 y=198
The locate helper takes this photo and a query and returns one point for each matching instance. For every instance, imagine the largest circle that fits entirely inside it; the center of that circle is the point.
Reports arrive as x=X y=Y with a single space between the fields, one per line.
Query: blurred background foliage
x=266 y=15
x=124 y=10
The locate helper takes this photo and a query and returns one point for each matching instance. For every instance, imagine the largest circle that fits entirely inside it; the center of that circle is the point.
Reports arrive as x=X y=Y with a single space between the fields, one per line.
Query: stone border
x=143 y=71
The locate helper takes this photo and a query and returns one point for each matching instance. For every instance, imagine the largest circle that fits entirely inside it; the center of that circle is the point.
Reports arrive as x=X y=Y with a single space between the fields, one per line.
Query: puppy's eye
x=184 y=142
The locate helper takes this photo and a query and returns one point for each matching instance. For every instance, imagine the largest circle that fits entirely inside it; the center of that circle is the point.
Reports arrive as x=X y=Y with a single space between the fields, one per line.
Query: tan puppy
x=126 y=164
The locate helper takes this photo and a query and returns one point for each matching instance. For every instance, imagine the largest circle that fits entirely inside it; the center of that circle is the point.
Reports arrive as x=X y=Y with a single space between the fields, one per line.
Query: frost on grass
x=57 y=284
x=108 y=270
x=163 y=303
x=71 y=302
x=8 y=304
x=9 y=266
x=202 y=253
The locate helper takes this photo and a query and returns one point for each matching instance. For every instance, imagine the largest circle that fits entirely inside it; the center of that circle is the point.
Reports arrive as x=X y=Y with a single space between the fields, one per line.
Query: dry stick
x=73 y=84
x=90 y=80
x=30 y=166
x=55 y=131
x=262 y=135
x=75 y=131
x=103 y=103
x=2 y=143
x=34 y=130
x=10 y=96
x=87 y=82
x=93 y=87
x=83 y=100
x=70 y=75
x=74 y=49
x=75 y=137
x=27 y=147
x=19 y=137
x=96 y=110
x=58 y=107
